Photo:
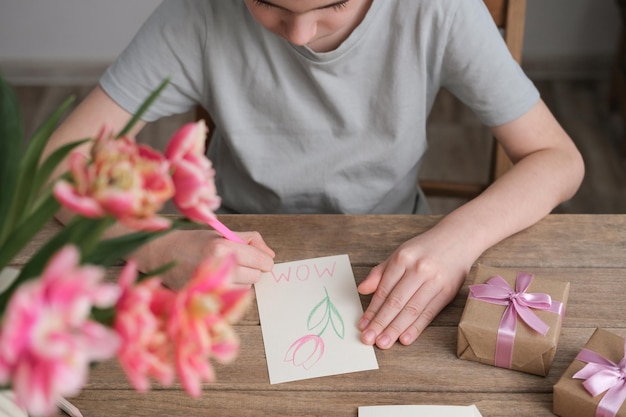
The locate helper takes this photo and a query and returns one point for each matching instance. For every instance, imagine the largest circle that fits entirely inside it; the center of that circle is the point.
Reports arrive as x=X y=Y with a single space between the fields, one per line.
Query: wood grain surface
x=586 y=250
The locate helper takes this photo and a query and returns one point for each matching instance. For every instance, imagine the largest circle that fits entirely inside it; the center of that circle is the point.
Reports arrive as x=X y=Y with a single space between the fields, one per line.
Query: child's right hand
x=189 y=247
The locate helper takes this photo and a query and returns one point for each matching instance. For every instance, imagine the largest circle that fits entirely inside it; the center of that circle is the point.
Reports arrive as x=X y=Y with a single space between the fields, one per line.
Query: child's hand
x=189 y=247
x=410 y=289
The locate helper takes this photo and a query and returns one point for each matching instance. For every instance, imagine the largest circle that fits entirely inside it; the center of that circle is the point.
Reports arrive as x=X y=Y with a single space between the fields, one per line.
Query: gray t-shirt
x=335 y=132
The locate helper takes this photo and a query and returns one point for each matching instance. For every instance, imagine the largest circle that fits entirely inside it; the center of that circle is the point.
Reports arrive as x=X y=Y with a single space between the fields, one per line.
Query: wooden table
x=587 y=250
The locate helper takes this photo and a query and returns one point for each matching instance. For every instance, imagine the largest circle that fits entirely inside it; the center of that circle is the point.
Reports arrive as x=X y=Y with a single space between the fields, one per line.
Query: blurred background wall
x=72 y=41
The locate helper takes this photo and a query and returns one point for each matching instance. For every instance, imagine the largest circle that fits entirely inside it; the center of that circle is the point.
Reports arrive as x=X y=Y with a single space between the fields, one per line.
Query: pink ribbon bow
x=601 y=374
x=519 y=303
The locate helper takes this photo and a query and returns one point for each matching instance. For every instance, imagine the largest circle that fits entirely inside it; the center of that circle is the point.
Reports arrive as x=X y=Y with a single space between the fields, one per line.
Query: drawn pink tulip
x=306 y=351
x=196 y=196
x=127 y=180
x=200 y=322
x=47 y=340
x=140 y=321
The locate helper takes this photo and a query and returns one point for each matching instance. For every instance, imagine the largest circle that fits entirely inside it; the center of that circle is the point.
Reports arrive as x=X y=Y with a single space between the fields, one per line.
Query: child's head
x=320 y=24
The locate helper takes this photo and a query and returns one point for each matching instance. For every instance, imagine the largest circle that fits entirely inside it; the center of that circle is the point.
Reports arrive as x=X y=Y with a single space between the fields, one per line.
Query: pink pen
x=224 y=231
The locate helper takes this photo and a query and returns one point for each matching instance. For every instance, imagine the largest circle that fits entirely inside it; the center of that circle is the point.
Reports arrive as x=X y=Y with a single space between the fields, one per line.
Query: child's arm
x=187 y=247
x=424 y=274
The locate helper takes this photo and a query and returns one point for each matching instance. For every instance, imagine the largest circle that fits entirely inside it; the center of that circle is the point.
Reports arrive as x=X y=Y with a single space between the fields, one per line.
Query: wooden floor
x=458 y=143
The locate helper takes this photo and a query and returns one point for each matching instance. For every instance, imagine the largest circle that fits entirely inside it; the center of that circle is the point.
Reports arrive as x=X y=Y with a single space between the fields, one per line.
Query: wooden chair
x=509 y=16
x=617 y=92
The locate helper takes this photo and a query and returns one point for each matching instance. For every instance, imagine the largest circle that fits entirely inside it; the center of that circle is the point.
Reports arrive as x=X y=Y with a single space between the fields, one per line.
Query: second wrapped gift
x=512 y=319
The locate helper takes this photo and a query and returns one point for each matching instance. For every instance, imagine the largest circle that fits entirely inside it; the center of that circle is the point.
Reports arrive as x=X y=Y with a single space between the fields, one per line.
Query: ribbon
x=518 y=303
x=600 y=375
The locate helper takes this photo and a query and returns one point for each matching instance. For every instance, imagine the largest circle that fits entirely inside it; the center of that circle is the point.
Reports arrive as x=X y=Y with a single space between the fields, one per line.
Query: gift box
x=512 y=319
x=593 y=385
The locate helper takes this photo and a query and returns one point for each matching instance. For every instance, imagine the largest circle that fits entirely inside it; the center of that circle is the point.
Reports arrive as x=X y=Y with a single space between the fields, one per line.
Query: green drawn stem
x=331 y=314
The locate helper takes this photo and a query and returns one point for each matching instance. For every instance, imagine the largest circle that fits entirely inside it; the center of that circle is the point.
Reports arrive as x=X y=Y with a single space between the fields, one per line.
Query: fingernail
x=363 y=324
x=369 y=337
x=383 y=341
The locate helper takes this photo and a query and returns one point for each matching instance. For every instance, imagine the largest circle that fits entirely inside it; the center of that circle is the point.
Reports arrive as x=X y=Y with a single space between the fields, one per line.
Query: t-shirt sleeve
x=479 y=69
x=168 y=45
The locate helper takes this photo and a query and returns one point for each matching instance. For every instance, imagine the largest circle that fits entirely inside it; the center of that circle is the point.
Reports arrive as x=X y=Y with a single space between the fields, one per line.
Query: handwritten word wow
x=304 y=272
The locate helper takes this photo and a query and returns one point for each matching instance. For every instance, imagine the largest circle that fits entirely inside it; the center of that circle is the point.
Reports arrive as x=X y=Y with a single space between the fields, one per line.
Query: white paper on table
x=309 y=311
x=8 y=406
x=419 y=411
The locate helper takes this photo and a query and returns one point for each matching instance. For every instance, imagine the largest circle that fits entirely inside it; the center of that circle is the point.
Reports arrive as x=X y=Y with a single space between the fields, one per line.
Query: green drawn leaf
x=337 y=321
x=319 y=315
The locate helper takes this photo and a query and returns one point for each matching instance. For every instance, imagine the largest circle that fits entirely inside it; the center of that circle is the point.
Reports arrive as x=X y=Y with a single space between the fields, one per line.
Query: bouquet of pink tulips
x=58 y=316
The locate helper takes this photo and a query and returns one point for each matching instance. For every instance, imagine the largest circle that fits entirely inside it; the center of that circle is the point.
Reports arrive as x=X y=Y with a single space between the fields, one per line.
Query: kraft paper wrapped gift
x=512 y=319
x=593 y=385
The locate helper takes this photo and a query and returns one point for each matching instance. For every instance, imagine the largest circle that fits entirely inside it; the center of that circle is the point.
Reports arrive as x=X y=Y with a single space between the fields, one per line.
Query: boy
x=320 y=106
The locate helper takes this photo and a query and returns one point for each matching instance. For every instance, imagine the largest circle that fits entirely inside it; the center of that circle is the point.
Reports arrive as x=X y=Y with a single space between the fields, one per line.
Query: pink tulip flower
x=306 y=351
x=47 y=340
x=124 y=179
x=140 y=321
x=196 y=196
x=165 y=333
x=200 y=323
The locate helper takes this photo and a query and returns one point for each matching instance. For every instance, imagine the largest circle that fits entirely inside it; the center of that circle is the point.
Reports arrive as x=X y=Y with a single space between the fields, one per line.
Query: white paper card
x=309 y=310
x=419 y=411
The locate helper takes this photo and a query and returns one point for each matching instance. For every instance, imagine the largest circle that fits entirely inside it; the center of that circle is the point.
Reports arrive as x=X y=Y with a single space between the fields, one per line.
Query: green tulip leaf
x=318 y=316
x=48 y=166
x=143 y=108
x=112 y=251
x=76 y=232
x=25 y=191
x=336 y=321
x=10 y=151
x=24 y=233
